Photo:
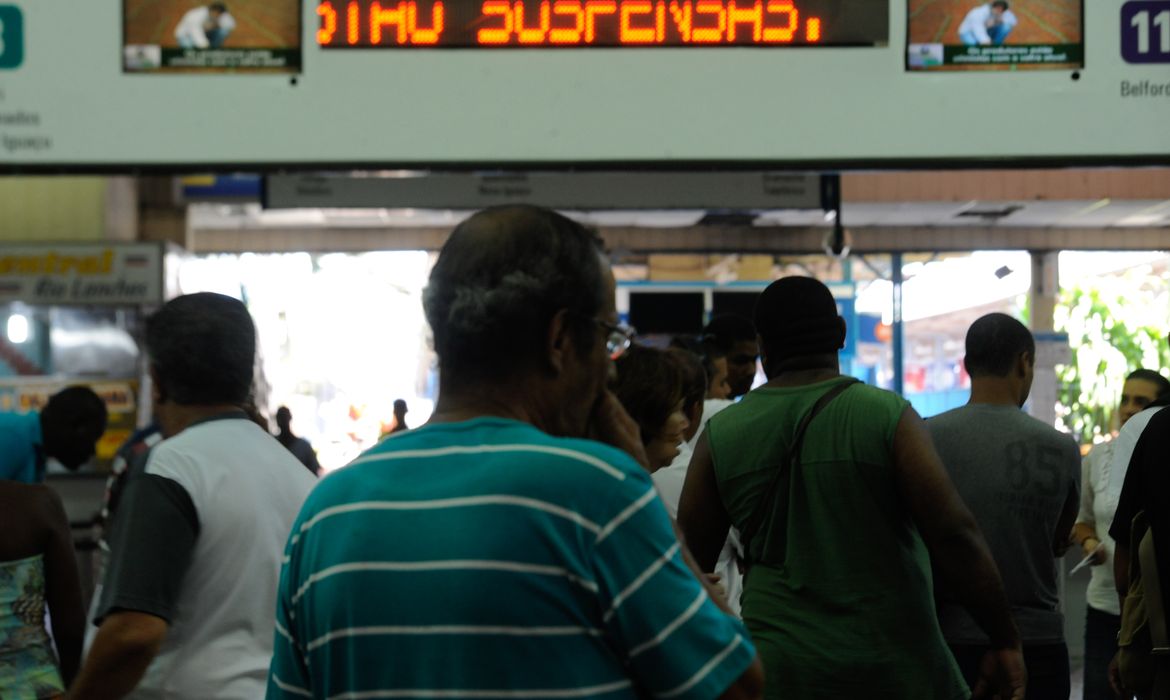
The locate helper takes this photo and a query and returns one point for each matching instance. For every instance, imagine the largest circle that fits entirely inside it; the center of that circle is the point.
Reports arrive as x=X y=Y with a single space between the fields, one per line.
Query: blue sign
x=11 y=37
x=1145 y=31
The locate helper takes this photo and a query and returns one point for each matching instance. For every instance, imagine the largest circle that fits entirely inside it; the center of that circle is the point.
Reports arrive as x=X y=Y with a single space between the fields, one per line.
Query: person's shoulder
x=867 y=392
x=39 y=494
x=1044 y=432
x=606 y=458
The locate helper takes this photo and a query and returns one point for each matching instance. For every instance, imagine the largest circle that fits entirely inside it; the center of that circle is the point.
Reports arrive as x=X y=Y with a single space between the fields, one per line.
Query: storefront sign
x=81 y=275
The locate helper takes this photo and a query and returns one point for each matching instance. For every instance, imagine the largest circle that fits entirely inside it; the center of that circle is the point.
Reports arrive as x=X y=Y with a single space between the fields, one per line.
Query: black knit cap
x=796 y=317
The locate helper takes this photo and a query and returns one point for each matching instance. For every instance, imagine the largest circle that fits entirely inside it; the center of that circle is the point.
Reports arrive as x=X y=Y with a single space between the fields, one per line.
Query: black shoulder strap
x=772 y=497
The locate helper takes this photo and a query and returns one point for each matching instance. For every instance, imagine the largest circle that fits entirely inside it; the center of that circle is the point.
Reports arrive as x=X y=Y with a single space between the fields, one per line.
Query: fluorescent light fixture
x=18 y=329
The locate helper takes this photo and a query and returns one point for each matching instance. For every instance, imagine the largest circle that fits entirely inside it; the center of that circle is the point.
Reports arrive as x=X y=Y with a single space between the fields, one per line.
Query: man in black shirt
x=1147 y=488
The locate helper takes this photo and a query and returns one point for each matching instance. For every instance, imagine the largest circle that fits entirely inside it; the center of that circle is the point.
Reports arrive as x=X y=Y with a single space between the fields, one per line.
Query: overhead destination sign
x=603 y=85
x=592 y=190
x=600 y=23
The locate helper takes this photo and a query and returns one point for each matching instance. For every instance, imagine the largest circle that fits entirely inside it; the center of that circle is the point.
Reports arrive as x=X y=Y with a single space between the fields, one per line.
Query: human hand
x=716 y=582
x=611 y=424
x=1095 y=548
x=1002 y=675
x=1115 y=677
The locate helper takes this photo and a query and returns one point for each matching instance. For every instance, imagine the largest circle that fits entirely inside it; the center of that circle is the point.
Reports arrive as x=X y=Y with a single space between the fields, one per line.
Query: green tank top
x=847 y=611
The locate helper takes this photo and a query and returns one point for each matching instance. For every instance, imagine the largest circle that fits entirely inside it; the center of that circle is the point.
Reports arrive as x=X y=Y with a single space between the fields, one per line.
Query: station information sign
x=465 y=24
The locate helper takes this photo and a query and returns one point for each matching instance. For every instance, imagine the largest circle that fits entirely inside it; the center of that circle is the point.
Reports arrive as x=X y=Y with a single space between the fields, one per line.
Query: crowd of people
x=585 y=516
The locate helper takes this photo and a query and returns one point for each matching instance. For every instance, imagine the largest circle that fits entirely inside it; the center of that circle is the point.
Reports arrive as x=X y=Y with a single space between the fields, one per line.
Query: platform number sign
x=1145 y=31
x=11 y=37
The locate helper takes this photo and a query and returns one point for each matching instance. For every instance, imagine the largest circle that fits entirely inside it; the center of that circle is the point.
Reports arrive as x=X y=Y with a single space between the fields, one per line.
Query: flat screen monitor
x=1003 y=35
x=735 y=304
x=234 y=36
x=666 y=313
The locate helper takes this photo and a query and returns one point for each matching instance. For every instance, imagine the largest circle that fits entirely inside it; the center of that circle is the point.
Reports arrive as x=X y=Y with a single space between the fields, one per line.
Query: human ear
x=559 y=341
x=157 y=394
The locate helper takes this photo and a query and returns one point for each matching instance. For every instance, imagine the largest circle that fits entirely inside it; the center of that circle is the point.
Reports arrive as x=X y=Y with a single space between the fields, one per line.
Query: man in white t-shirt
x=205 y=27
x=988 y=25
x=188 y=599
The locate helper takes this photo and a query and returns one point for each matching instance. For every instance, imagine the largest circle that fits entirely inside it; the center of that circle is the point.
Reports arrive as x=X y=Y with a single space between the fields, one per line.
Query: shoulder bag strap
x=771 y=498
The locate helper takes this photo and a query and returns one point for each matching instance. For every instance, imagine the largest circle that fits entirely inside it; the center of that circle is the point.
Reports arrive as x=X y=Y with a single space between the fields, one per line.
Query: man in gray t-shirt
x=1021 y=480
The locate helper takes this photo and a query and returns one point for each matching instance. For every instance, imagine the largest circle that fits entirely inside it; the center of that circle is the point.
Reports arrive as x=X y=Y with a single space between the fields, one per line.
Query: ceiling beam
x=712 y=239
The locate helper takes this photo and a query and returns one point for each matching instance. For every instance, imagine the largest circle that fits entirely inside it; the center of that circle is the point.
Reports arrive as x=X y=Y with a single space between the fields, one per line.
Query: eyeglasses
x=619 y=339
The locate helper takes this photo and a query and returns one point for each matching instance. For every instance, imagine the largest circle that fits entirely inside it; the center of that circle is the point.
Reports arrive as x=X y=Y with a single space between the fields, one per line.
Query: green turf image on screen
x=228 y=36
x=991 y=35
x=11 y=37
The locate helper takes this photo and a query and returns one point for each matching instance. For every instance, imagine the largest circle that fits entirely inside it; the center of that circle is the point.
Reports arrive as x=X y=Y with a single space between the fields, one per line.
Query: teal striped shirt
x=486 y=559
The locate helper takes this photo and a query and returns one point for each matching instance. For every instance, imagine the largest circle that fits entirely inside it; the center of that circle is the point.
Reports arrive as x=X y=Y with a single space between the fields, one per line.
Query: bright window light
x=17 y=328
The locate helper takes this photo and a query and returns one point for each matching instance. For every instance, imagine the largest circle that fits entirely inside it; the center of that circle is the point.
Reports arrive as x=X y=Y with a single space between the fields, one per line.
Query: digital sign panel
x=978 y=35
x=233 y=36
x=404 y=24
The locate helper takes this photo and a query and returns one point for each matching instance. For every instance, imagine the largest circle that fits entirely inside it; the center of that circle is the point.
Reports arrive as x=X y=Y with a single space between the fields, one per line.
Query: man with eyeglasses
x=497 y=551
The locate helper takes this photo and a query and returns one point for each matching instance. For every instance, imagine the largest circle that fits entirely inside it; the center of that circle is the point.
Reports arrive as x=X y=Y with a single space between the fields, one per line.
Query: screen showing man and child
x=998 y=35
x=250 y=36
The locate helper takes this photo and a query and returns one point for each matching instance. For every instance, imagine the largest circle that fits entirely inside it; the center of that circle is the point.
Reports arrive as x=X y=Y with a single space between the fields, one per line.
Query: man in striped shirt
x=495 y=552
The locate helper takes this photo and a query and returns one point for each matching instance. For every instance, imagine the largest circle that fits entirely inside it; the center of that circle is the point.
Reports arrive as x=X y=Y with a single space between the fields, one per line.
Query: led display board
x=600 y=23
x=847 y=100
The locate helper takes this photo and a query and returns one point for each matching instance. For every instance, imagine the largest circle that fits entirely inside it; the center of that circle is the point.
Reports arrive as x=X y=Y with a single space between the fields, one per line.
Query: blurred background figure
x=735 y=337
x=649 y=385
x=400 y=411
x=66 y=429
x=37 y=570
x=299 y=446
x=715 y=364
x=1090 y=533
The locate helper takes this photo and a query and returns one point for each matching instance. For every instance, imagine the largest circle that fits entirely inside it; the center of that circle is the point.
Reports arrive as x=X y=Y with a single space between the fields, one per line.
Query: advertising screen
x=1000 y=35
x=236 y=36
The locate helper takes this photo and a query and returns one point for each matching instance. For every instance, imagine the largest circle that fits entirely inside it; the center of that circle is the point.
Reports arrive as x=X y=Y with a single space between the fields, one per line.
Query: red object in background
x=884 y=333
x=915 y=379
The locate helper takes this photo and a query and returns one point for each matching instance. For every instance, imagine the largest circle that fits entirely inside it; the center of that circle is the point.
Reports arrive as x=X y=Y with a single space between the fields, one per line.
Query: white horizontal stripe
x=626 y=514
x=440 y=503
x=289 y=688
x=444 y=565
x=641 y=580
x=669 y=629
x=284 y=633
x=392 y=630
x=705 y=671
x=582 y=457
x=458 y=693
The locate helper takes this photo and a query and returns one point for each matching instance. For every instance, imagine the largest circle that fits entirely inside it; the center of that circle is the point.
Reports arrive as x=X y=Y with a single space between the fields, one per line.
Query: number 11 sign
x=1145 y=31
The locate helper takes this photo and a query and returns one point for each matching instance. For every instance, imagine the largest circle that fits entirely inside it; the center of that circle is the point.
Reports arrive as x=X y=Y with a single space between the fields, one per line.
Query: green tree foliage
x=1116 y=324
